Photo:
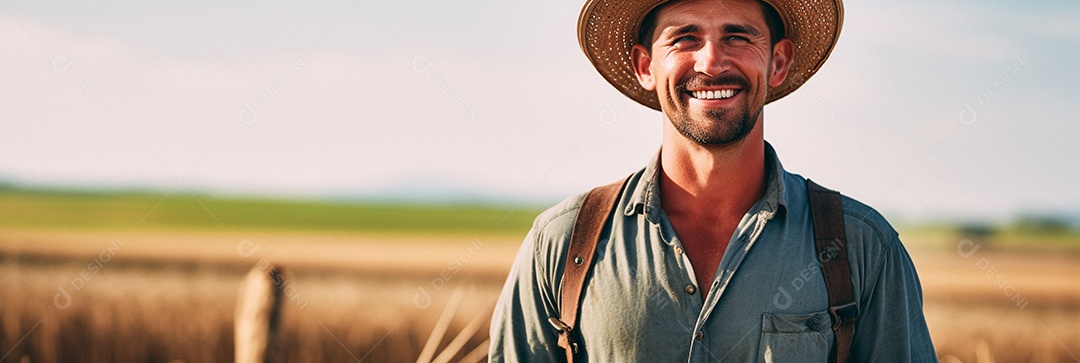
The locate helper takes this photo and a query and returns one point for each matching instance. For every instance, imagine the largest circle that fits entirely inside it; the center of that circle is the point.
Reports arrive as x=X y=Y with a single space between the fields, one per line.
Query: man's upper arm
x=891 y=326
x=520 y=331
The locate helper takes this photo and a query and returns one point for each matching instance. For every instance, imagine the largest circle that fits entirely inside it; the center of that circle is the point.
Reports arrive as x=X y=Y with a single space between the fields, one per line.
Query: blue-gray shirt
x=767 y=302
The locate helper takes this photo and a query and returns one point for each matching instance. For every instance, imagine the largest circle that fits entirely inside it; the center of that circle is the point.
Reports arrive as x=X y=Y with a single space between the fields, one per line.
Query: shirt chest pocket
x=795 y=337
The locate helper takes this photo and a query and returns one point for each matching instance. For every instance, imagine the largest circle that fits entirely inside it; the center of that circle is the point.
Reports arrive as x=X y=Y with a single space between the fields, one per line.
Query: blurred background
x=389 y=154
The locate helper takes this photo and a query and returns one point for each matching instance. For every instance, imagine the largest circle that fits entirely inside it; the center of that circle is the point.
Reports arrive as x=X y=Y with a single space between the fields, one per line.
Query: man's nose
x=711 y=60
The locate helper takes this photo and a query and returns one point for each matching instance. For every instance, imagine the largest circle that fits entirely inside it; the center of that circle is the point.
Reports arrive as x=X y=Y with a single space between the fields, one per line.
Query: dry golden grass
x=160 y=297
x=135 y=314
x=1002 y=305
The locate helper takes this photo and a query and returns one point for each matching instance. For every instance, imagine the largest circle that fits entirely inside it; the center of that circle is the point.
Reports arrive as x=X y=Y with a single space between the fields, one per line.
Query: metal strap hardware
x=558 y=324
x=830 y=239
x=844 y=314
x=593 y=214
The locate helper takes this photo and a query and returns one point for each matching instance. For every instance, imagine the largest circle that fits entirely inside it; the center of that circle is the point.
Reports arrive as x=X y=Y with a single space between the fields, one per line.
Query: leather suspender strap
x=591 y=217
x=829 y=238
x=831 y=242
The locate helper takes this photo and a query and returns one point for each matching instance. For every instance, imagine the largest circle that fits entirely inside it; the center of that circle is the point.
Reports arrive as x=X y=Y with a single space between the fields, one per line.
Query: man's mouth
x=719 y=94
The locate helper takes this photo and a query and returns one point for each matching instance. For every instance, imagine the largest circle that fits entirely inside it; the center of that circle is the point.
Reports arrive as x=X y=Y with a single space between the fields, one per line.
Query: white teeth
x=714 y=95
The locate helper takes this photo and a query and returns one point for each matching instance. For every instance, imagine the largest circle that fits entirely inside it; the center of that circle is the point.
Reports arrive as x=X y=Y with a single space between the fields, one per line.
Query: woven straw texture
x=607 y=29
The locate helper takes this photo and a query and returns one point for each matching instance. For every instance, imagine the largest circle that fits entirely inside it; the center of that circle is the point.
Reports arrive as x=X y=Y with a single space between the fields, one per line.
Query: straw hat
x=607 y=29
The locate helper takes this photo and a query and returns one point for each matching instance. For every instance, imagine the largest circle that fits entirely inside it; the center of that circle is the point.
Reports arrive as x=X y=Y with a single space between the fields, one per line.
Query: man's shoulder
x=558 y=221
x=871 y=242
x=551 y=229
x=860 y=219
x=865 y=222
x=549 y=238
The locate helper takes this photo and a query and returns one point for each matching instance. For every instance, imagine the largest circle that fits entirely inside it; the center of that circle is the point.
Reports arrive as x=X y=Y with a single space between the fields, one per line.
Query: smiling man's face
x=711 y=63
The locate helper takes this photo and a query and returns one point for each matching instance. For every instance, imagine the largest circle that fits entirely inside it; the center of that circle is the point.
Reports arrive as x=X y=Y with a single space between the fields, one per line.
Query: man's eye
x=684 y=38
x=738 y=38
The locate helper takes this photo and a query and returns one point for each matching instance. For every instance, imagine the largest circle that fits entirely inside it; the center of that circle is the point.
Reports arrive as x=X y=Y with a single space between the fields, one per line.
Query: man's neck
x=718 y=181
x=706 y=190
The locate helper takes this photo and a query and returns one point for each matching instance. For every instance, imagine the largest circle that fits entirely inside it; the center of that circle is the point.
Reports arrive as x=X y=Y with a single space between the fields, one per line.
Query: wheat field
x=154 y=296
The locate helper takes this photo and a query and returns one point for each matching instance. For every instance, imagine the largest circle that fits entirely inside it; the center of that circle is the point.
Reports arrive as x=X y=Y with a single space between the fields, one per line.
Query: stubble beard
x=716 y=127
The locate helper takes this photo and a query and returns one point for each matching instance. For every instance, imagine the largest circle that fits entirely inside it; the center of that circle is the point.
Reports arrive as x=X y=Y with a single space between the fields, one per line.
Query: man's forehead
x=683 y=12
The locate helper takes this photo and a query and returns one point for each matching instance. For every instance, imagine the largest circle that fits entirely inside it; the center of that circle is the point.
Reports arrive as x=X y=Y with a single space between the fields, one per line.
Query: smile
x=714 y=95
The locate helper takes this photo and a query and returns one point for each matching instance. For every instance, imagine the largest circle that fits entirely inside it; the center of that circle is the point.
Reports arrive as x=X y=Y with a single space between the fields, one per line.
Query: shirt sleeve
x=891 y=326
x=520 y=331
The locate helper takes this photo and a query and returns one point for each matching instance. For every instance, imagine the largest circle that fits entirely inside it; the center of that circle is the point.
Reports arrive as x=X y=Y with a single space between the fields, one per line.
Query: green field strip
x=34 y=209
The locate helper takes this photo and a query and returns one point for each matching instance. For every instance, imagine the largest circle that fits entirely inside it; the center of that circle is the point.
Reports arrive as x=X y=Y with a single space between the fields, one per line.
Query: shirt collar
x=646 y=195
x=776 y=198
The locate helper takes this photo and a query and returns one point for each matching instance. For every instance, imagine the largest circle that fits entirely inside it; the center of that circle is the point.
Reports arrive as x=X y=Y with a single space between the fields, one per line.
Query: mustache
x=699 y=82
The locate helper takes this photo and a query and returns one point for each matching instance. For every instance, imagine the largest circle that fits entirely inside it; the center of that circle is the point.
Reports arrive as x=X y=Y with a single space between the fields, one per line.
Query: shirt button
x=813 y=323
x=700 y=335
x=690 y=289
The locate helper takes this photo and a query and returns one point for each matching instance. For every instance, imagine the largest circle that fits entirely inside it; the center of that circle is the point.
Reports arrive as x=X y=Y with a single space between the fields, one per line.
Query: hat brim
x=608 y=29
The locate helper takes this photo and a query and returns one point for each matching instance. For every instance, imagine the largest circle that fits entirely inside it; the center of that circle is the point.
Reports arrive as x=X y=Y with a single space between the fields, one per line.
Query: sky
x=925 y=110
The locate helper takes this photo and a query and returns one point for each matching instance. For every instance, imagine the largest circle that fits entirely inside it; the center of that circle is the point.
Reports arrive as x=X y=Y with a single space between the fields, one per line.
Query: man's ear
x=642 y=63
x=783 y=54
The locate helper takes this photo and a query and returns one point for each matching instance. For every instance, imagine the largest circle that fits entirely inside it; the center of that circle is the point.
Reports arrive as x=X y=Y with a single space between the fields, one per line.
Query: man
x=709 y=253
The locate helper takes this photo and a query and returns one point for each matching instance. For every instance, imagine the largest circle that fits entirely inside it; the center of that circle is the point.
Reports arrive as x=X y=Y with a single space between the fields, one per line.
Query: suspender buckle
x=564 y=334
x=844 y=314
x=558 y=324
